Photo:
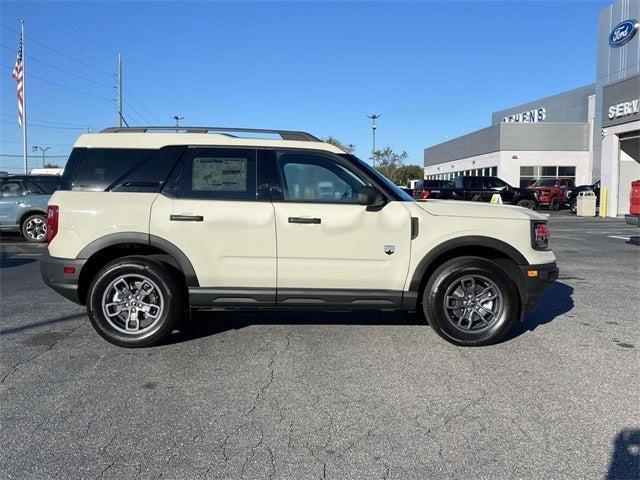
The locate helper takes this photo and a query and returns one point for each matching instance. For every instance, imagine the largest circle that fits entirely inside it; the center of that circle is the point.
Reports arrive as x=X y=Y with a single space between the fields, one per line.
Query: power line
x=80 y=125
x=63 y=86
x=110 y=75
x=63 y=70
x=138 y=114
x=44 y=126
x=158 y=122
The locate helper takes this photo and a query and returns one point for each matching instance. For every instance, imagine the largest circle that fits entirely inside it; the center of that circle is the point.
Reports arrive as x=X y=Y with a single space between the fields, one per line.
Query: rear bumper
x=632 y=220
x=534 y=287
x=66 y=284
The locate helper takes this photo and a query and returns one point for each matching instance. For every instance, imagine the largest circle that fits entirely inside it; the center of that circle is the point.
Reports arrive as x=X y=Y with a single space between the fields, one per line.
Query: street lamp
x=35 y=148
x=373 y=118
x=177 y=118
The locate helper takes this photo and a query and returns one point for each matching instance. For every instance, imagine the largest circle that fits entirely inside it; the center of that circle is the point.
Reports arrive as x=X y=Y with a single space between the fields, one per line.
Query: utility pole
x=119 y=90
x=373 y=118
x=177 y=118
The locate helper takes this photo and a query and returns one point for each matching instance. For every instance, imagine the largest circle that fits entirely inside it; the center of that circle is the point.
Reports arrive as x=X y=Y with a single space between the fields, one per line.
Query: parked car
x=482 y=189
x=551 y=192
x=571 y=194
x=147 y=225
x=423 y=188
x=23 y=204
x=633 y=217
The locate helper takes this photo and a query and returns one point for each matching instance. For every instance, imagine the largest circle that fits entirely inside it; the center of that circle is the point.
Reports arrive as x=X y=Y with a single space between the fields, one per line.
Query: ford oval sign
x=623 y=32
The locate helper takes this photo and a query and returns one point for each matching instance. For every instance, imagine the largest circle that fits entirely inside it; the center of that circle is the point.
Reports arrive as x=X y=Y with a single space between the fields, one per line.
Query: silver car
x=23 y=204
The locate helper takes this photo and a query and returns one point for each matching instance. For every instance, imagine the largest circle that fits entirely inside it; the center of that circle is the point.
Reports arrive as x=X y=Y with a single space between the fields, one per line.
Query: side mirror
x=370 y=196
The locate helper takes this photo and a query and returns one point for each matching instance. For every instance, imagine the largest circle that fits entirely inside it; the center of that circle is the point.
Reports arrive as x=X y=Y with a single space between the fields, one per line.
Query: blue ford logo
x=623 y=32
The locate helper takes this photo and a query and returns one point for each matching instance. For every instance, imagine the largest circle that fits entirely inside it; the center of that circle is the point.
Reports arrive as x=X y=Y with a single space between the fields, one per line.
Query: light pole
x=177 y=118
x=373 y=118
x=35 y=148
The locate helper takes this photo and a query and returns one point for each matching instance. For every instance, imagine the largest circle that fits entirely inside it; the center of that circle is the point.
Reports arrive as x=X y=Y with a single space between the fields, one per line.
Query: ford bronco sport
x=150 y=222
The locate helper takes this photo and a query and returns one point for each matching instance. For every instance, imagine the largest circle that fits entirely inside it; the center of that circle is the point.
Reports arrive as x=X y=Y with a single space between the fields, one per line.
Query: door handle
x=186 y=218
x=304 y=220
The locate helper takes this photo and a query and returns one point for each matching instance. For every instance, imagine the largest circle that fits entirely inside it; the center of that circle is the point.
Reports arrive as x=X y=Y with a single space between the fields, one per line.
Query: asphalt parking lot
x=297 y=395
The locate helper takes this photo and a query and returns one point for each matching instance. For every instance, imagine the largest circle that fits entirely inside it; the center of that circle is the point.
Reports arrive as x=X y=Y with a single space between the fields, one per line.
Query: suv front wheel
x=470 y=301
x=134 y=302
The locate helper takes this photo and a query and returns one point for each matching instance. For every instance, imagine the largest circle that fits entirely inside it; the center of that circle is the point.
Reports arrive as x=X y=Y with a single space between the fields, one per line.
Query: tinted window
x=457 y=182
x=99 y=168
x=11 y=189
x=151 y=174
x=314 y=178
x=45 y=185
x=493 y=183
x=474 y=183
x=222 y=174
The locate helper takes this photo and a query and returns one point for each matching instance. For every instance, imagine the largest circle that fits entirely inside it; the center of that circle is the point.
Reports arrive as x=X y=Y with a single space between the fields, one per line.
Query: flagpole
x=24 y=100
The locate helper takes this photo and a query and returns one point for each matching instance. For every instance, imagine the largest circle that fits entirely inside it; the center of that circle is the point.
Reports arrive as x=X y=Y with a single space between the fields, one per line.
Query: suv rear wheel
x=134 y=302
x=34 y=228
x=470 y=301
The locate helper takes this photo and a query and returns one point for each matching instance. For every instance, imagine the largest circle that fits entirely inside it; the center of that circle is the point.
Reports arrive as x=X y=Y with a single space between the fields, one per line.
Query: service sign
x=623 y=32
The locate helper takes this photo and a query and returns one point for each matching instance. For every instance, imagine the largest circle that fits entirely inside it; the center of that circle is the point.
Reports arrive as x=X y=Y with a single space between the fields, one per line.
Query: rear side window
x=119 y=169
x=47 y=185
x=101 y=167
x=218 y=173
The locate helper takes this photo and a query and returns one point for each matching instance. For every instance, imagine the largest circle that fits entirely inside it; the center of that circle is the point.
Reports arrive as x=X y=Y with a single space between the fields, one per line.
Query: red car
x=551 y=192
x=633 y=217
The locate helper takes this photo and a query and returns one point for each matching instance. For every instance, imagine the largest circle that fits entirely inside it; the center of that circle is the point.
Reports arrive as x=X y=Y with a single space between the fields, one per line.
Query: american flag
x=18 y=76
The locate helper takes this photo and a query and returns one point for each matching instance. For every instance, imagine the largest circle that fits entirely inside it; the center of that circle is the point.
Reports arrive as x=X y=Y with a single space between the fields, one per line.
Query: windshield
x=399 y=193
x=548 y=182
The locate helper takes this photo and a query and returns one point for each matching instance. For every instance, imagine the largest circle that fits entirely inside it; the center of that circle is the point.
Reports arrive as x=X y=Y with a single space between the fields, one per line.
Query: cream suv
x=151 y=222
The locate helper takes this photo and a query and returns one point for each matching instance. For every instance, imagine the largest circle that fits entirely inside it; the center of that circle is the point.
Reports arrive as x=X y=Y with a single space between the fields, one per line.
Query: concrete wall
x=477 y=143
x=509 y=167
x=566 y=107
x=512 y=136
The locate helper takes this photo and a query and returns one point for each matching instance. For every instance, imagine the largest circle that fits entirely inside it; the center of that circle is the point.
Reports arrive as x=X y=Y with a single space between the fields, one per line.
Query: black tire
x=34 y=228
x=553 y=204
x=446 y=277
x=526 y=203
x=573 y=206
x=169 y=297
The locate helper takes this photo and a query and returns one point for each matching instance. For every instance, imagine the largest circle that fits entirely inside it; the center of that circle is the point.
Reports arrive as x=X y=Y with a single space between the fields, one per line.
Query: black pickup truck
x=481 y=189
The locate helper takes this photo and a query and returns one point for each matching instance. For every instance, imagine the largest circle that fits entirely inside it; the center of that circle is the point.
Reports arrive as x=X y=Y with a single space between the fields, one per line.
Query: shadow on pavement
x=206 y=323
x=634 y=241
x=625 y=459
x=7 y=261
x=555 y=302
x=52 y=321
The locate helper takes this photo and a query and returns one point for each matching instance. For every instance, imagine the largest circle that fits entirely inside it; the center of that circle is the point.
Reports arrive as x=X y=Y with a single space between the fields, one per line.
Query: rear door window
x=219 y=174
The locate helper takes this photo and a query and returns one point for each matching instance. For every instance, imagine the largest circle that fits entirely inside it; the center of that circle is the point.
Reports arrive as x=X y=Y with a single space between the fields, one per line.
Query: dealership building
x=589 y=133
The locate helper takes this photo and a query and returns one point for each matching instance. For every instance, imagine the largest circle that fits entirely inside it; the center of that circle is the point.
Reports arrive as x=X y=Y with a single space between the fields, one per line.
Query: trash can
x=586 y=206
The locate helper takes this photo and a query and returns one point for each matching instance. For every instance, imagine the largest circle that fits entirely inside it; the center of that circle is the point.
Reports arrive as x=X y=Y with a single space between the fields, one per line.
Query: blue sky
x=434 y=70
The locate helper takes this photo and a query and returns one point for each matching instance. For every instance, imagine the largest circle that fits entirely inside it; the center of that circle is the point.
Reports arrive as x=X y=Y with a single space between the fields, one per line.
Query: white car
x=150 y=222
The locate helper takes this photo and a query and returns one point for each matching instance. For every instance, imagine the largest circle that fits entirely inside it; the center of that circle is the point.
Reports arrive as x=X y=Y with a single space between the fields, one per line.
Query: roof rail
x=284 y=134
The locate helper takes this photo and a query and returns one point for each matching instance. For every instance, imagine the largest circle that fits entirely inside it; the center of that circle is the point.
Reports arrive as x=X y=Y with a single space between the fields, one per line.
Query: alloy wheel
x=36 y=228
x=473 y=303
x=132 y=304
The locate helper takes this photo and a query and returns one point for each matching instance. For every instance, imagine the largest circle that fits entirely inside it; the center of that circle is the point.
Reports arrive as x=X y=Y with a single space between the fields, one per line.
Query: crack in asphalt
x=48 y=348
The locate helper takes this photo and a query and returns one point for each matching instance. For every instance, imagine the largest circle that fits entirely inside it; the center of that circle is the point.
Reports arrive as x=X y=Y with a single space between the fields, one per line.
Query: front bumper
x=535 y=286
x=66 y=284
